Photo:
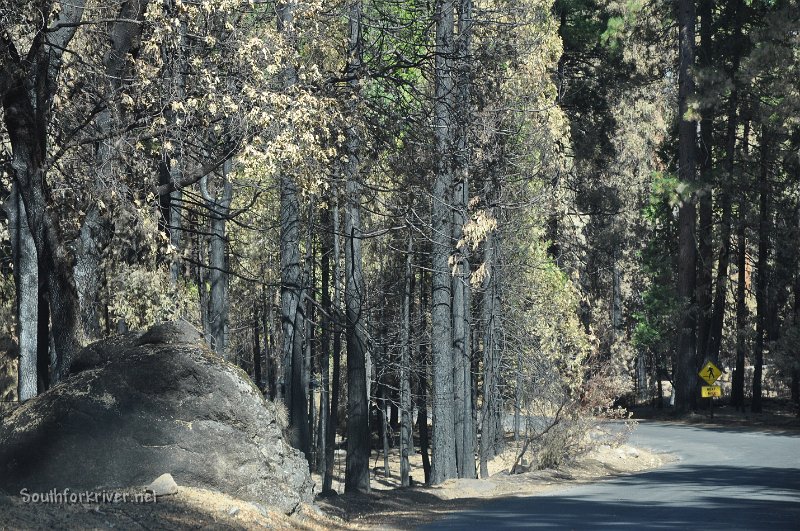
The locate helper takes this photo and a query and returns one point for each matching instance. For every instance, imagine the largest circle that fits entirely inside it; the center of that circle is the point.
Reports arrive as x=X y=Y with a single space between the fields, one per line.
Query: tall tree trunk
x=491 y=365
x=333 y=419
x=325 y=342
x=44 y=365
x=291 y=315
x=201 y=277
x=94 y=235
x=737 y=387
x=795 y=373
x=406 y=435
x=720 y=291
x=27 y=89
x=718 y=313
x=423 y=379
x=256 y=348
x=291 y=281
x=358 y=438
x=218 y=205
x=26 y=281
x=705 y=164
x=384 y=406
x=462 y=355
x=762 y=280
x=686 y=364
x=795 y=383
x=308 y=333
x=444 y=452
x=267 y=320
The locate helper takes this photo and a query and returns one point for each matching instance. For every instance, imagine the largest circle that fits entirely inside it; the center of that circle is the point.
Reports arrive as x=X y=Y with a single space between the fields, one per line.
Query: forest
x=416 y=224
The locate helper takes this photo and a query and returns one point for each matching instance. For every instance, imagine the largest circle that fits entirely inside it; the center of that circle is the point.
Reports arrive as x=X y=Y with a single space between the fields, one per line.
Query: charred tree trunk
x=256 y=348
x=26 y=282
x=795 y=384
x=491 y=362
x=462 y=354
x=406 y=435
x=308 y=334
x=444 y=451
x=705 y=164
x=718 y=312
x=333 y=419
x=737 y=388
x=291 y=278
x=358 y=442
x=762 y=280
x=218 y=205
x=93 y=237
x=27 y=88
x=685 y=377
x=325 y=342
x=423 y=379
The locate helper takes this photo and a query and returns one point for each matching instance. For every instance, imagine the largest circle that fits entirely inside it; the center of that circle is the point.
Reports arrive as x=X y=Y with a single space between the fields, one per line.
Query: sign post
x=710 y=373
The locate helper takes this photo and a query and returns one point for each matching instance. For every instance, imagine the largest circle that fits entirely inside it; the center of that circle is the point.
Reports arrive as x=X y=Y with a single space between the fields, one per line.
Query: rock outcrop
x=140 y=405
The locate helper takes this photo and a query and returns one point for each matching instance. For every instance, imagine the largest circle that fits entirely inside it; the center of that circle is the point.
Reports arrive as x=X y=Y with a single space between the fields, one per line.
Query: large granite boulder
x=141 y=405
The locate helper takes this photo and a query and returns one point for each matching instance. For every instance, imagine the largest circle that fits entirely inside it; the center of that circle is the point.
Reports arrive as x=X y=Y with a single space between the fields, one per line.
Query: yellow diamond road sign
x=711 y=390
x=710 y=373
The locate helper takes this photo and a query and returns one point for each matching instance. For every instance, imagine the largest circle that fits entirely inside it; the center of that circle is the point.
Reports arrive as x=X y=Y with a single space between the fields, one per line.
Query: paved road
x=724 y=479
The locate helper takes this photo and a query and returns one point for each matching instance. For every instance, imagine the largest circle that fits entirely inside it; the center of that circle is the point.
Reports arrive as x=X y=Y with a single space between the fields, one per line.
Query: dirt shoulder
x=412 y=507
x=190 y=508
x=390 y=508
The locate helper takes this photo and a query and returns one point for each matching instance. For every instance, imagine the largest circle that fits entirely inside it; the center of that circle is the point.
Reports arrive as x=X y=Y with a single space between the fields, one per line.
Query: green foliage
x=619 y=25
x=655 y=321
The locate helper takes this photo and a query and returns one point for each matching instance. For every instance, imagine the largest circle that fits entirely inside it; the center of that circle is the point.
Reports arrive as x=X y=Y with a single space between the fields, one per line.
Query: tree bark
x=291 y=281
x=256 y=348
x=406 y=435
x=462 y=355
x=737 y=387
x=325 y=342
x=308 y=333
x=423 y=379
x=762 y=280
x=27 y=89
x=686 y=364
x=718 y=312
x=358 y=437
x=795 y=372
x=491 y=365
x=333 y=419
x=705 y=163
x=218 y=206
x=291 y=315
x=94 y=235
x=444 y=451
x=26 y=281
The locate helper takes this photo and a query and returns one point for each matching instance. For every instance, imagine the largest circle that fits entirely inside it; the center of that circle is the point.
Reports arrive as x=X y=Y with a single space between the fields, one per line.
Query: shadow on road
x=706 y=427
x=681 y=497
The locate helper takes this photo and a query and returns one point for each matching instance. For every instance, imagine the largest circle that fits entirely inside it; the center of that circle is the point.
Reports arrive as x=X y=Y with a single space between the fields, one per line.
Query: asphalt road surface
x=725 y=478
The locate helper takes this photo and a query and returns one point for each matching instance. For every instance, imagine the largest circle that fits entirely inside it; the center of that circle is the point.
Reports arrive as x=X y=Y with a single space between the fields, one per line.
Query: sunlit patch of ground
x=191 y=508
